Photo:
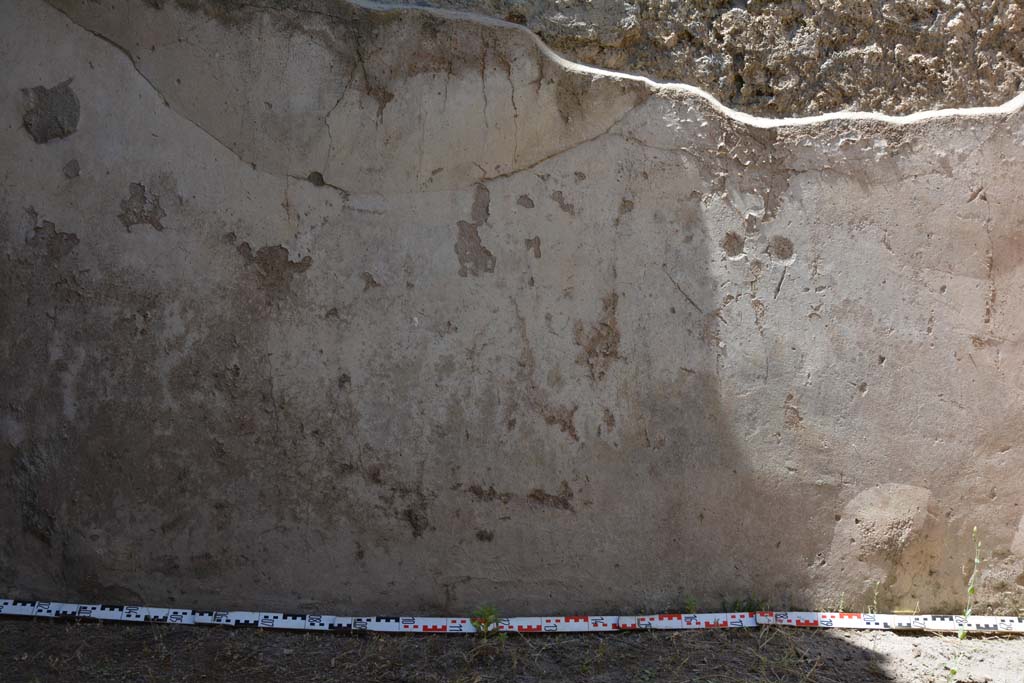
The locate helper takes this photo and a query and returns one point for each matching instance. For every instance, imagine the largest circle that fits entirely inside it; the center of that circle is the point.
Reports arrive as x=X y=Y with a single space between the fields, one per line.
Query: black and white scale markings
x=560 y=624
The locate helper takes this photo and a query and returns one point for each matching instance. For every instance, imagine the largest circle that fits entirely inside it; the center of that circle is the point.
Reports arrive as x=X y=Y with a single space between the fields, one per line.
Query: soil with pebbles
x=43 y=650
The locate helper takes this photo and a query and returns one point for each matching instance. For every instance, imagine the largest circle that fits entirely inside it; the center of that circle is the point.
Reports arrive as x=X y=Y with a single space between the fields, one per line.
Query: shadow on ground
x=44 y=651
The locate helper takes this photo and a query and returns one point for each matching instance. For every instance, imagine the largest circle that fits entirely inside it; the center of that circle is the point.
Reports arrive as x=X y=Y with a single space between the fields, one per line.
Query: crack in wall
x=355 y=67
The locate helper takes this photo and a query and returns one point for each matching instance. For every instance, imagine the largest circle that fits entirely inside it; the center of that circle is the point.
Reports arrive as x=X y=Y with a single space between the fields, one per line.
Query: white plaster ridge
x=1011 y=106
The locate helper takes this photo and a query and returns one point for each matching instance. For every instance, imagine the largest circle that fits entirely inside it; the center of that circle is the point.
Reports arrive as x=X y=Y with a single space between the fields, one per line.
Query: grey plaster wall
x=355 y=310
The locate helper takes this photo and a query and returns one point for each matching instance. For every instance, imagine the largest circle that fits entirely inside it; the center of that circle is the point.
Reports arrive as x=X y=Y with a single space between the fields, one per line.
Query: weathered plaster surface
x=297 y=318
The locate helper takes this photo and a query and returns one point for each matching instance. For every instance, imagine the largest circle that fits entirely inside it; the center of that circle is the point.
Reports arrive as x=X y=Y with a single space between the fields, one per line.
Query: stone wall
x=323 y=307
x=792 y=57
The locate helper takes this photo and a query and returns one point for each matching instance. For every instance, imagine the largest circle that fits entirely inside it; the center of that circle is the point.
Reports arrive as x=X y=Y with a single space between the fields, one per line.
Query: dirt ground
x=48 y=651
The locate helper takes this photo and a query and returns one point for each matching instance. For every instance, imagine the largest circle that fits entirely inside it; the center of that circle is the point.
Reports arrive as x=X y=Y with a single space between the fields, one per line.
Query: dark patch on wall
x=791 y=413
x=484 y=535
x=141 y=208
x=417 y=519
x=525 y=201
x=57 y=244
x=274 y=268
x=50 y=113
x=561 y=501
x=562 y=416
x=780 y=248
x=533 y=243
x=600 y=344
x=369 y=282
x=536 y=396
x=31 y=475
x=732 y=244
x=481 y=211
x=565 y=206
x=71 y=169
x=474 y=257
x=488 y=494
x=570 y=96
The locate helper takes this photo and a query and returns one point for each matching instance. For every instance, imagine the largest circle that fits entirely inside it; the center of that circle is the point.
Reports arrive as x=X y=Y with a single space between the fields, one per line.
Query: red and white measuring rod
x=553 y=624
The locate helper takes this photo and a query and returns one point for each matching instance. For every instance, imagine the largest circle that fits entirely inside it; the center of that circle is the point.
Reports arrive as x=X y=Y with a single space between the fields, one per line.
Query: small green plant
x=485 y=620
x=593 y=662
x=751 y=604
x=691 y=606
x=972 y=583
x=873 y=609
